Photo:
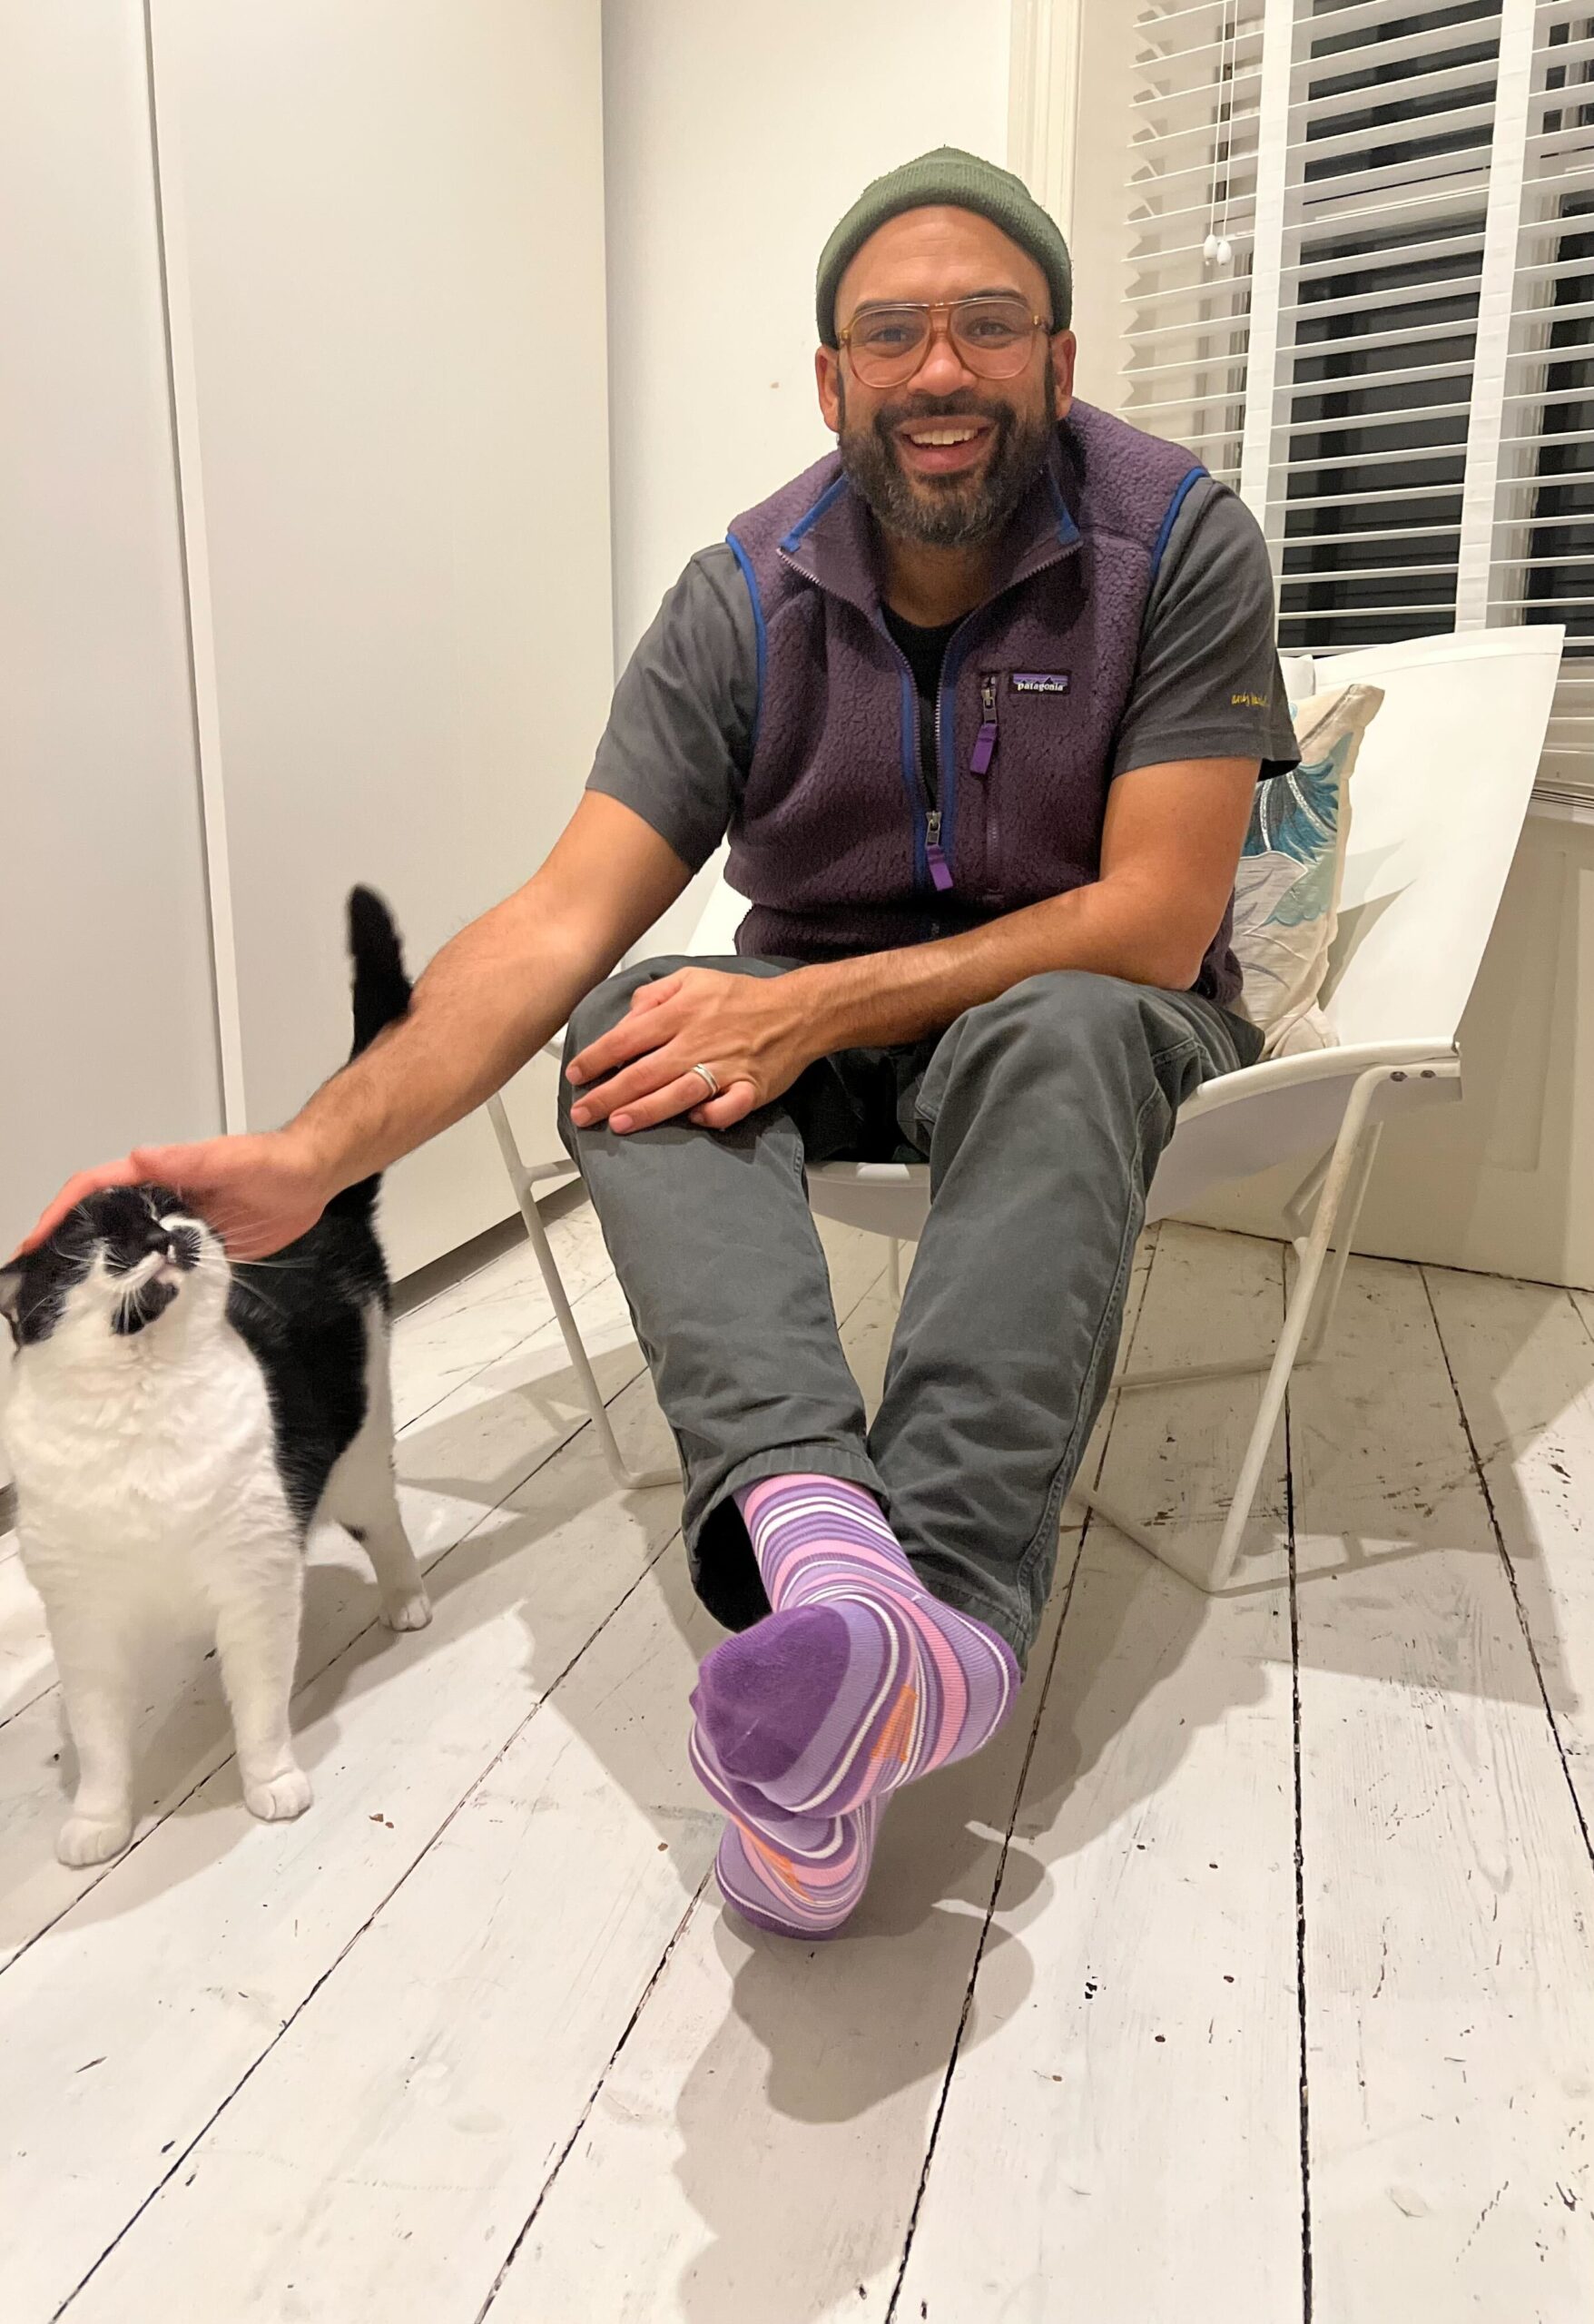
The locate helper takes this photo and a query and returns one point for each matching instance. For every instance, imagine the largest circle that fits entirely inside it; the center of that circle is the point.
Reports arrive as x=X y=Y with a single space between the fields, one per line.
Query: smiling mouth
x=945 y=444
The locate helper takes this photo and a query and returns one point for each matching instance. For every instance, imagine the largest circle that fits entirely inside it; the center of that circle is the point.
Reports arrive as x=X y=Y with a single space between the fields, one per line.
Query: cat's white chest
x=159 y=1449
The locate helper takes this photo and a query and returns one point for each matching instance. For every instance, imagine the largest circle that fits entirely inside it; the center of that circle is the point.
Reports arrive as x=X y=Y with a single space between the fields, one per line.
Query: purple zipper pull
x=985 y=742
x=940 y=871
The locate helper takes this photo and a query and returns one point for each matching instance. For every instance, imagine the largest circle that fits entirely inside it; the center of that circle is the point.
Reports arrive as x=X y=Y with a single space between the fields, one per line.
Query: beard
x=952 y=511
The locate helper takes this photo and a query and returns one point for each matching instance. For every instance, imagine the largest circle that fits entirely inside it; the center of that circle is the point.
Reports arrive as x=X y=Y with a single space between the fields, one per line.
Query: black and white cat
x=175 y=1425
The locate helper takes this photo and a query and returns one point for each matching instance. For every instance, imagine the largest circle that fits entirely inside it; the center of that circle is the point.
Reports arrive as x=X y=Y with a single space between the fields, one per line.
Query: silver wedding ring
x=709 y=1082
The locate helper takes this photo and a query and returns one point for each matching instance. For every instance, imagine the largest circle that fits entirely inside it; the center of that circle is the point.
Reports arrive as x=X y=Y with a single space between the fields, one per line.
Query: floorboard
x=1125 y=2100
x=1522 y=1361
x=1449 y=1931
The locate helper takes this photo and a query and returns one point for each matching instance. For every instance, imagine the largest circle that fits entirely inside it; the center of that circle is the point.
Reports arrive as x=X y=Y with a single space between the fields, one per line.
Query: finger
x=605 y=1099
x=187 y=1169
x=648 y=996
x=633 y=1037
x=733 y=1105
x=77 y=1189
x=662 y=1106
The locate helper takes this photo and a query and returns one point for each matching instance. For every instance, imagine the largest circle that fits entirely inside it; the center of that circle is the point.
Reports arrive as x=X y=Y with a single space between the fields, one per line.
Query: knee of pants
x=1031 y=1043
x=1063 y=1010
x=599 y=1013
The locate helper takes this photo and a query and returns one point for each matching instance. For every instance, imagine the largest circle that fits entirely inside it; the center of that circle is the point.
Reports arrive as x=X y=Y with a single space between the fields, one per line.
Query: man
x=982 y=701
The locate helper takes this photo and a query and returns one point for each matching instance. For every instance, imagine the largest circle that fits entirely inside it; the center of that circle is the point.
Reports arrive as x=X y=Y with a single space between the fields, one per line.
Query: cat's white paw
x=279 y=1798
x=92 y=1839
x=409 y=1613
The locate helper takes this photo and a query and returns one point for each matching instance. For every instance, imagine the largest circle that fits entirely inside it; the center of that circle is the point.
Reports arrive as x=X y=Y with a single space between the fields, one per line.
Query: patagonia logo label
x=1040 y=682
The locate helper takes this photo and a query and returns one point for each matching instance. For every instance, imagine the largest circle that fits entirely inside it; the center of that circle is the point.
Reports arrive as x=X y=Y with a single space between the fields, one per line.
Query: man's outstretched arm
x=493 y=995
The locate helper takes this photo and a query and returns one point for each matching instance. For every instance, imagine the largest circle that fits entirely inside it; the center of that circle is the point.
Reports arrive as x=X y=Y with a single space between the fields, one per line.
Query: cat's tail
x=381 y=996
x=381 y=988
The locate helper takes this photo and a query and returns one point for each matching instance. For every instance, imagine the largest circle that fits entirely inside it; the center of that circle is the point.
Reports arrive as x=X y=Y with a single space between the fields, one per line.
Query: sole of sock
x=775 y=1892
x=797 y=1876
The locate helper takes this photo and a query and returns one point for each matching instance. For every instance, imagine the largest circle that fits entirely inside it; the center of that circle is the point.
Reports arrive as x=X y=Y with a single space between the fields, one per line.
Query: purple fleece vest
x=835 y=844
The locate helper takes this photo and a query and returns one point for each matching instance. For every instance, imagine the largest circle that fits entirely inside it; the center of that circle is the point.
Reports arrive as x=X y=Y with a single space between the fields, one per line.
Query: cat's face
x=117 y=1263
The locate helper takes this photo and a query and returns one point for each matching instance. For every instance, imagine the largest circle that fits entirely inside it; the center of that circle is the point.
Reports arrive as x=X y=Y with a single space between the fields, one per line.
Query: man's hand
x=256 y=1193
x=748 y=1032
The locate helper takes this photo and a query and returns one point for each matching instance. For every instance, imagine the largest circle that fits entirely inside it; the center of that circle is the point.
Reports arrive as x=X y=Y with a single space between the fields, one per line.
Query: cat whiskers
x=241 y=1274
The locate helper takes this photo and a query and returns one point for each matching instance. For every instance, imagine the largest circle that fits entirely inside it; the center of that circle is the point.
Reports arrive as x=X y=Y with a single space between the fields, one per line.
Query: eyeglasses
x=993 y=334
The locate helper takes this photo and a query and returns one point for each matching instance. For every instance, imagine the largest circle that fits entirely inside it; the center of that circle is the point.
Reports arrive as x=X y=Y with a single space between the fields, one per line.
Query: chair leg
x=1347 y=1177
x=1328 y=1300
x=1322 y=1320
x=632 y=1479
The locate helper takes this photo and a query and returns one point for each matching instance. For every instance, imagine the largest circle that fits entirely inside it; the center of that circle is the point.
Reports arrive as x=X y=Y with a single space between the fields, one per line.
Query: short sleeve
x=679 y=738
x=1209 y=683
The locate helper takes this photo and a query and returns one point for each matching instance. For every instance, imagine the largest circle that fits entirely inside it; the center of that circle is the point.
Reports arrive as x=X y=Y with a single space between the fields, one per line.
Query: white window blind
x=1192 y=168
x=1542 y=547
x=1360 y=283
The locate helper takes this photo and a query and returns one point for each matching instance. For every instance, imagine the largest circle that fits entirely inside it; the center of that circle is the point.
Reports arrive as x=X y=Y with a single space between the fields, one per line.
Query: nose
x=157 y=1239
x=943 y=372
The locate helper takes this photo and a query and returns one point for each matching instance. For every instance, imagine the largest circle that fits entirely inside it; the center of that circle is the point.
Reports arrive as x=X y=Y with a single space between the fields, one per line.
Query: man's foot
x=860 y=1680
x=797 y=1876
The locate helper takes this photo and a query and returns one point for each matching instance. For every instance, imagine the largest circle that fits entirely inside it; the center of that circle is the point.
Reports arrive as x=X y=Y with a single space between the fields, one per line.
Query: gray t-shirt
x=1208 y=685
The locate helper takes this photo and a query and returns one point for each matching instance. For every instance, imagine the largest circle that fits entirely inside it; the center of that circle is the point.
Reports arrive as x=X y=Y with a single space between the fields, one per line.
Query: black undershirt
x=926 y=650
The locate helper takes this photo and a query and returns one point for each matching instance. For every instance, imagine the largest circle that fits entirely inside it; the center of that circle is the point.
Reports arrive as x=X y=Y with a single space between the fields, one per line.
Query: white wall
x=107 y=1030
x=734 y=139
x=385 y=235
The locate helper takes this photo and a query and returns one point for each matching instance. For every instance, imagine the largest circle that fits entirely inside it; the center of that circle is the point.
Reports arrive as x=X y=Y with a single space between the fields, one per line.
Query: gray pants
x=1042 y=1115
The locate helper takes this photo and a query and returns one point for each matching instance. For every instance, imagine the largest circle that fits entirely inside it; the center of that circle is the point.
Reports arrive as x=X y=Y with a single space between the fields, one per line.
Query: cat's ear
x=10 y=1295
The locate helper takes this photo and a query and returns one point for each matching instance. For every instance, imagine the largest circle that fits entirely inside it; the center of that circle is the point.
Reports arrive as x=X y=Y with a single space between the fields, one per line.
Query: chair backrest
x=1438 y=799
x=714 y=935
x=1437 y=802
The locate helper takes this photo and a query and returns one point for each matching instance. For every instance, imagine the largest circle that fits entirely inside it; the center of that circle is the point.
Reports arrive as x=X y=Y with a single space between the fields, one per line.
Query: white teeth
x=944 y=436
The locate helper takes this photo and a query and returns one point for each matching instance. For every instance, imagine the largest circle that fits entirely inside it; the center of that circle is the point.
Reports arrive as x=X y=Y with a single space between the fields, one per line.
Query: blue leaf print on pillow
x=1297 y=815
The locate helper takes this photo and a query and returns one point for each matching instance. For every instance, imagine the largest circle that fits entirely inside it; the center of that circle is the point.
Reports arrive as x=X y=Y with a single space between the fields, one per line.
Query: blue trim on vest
x=1174 y=505
x=760 y=633
x=953 y=662
x=813 y=515
x=912 y=782
x=1067 y=530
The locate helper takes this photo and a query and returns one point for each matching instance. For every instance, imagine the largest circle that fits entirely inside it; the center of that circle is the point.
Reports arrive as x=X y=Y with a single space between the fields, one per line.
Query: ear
x=10 y=1295
x=1065 y=346
x=827 y=374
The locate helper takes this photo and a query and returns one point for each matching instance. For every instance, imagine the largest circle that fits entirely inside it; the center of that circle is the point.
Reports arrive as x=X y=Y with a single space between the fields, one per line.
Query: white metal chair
x=1438 y=799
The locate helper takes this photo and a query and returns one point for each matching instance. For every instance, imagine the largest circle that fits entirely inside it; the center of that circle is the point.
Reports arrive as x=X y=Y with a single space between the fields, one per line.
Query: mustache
x=965 y=405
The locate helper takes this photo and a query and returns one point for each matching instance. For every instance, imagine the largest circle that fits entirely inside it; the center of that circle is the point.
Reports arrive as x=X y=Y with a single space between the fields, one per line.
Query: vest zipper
x=946 y=759
x=927 y=826
x=985 y=742
x=940 y=871
x=980 y=759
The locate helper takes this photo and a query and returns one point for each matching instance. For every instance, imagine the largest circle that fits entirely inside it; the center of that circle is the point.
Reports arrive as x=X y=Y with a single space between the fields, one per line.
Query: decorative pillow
x=1287 y=891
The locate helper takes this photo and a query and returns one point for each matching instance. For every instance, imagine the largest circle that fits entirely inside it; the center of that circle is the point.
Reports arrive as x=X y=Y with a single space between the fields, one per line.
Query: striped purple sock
x=796 y=1876
x=860 y=1680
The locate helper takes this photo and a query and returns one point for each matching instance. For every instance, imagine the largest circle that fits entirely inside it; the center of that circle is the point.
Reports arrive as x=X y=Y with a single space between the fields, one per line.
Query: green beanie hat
x=962 y=181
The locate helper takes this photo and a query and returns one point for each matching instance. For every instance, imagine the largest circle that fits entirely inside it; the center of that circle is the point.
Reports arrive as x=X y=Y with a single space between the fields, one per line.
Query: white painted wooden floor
x=1248 y=1977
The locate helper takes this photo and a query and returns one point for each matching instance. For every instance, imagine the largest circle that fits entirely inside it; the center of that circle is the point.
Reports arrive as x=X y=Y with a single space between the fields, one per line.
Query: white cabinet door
x=384 y=241
x=107 y=1025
